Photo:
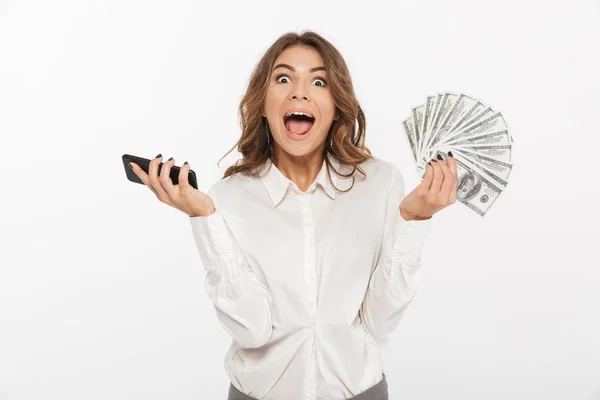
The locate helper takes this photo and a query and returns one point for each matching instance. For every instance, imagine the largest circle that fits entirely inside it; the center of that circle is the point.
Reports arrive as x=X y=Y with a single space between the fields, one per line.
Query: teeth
x=298 y=113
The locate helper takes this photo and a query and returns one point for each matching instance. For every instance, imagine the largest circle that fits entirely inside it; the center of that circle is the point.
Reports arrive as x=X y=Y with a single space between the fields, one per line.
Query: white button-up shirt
x=309 y=284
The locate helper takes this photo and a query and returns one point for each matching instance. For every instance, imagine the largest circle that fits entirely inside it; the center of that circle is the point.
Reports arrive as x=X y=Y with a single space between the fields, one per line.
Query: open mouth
x=298 y=123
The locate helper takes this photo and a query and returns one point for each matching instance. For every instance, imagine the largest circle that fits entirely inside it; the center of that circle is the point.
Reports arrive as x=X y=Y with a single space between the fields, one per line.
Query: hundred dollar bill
x=441 y=137
x=417 y=117
x=448 y=102
x=499 y=171
x=436 y=110
x=467 y=115
x=426 y=120
x=409 y=130
x=435 y=104
x=500 y=152
x=434 y=147
x=492 y=123
x=456 y=110
x=486 y=112
x=440 y=106
x=502 y=183
x=494 y=168
x=501 y=137
x=462 y=108
x=476 y=189
x=477 y=161
x=429 y=106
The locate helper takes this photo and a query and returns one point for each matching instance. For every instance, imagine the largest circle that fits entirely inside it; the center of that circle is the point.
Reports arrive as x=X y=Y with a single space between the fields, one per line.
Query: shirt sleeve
x=243 y=303
x=394 y=280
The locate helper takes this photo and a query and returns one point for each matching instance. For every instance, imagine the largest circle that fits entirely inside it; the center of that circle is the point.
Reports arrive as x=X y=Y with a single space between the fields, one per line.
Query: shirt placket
x=310 y=281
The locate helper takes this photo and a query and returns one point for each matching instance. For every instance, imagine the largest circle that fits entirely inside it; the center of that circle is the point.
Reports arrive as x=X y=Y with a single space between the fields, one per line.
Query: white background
x=101 y=286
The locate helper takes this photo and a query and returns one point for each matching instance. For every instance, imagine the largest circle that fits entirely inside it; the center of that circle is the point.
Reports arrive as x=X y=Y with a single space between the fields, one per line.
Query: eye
x=277 y=79
x=281 y=76
x=322 y=80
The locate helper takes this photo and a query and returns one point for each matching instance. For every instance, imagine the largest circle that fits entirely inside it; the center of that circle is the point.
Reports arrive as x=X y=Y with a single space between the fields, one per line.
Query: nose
x=298 y=91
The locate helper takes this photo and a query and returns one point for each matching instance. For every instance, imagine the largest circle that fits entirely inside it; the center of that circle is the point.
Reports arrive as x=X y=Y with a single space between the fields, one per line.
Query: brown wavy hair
x=345 y=140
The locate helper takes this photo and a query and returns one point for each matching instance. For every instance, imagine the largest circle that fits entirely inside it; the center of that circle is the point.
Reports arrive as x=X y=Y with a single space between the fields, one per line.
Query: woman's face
x=298 y=82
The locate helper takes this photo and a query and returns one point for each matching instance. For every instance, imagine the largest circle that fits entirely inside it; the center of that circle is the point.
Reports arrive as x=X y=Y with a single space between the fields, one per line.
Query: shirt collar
x=277 y=184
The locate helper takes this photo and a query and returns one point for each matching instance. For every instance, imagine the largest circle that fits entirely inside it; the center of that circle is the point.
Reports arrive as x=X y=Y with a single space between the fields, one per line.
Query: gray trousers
x=377 y=392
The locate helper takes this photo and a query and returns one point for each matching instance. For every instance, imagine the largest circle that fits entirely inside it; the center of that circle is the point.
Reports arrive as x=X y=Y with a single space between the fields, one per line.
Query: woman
x=310 y=264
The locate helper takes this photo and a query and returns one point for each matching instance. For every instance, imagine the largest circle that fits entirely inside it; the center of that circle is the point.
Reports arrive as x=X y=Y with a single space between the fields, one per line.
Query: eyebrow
x=321 y=68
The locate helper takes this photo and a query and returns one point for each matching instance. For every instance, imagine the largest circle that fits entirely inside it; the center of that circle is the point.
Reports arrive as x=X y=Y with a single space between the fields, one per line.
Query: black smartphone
x=144 y=163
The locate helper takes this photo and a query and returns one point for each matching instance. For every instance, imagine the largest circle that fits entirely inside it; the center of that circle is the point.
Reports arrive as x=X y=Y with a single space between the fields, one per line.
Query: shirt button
x=304 y=210
x=226 y=253
x=219 y=238
x=398 y=255
x=214 y=222
x=309 y=241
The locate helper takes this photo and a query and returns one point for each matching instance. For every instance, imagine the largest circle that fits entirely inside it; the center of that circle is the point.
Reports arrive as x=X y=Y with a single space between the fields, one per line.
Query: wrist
x=408 y=216
x=202 y=213
x=205 y=211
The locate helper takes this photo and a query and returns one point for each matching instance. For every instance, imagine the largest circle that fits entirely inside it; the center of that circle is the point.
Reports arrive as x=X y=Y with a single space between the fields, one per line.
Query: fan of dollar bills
x=478 y=138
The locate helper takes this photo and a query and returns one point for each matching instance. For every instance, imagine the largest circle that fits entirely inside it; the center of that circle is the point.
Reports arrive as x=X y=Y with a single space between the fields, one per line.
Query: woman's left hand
x=437 y=191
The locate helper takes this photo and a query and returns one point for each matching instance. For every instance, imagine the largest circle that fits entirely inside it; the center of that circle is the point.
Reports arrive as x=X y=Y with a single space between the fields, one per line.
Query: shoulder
x=231 y=189
x=381 y=171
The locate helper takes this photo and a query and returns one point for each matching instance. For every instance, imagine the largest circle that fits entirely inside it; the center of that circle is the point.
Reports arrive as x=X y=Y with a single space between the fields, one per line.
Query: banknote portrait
x=469 y=185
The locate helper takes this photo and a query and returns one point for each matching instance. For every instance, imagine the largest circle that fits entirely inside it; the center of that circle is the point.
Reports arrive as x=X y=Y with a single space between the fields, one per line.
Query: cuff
x=213 y=240
x=409 y=239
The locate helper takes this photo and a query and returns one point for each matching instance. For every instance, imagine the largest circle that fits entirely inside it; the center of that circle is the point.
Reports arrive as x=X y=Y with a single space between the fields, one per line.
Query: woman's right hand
x=181 y=196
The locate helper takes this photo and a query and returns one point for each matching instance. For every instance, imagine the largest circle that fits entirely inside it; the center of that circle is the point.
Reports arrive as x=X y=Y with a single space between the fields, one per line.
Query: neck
x=302 y=170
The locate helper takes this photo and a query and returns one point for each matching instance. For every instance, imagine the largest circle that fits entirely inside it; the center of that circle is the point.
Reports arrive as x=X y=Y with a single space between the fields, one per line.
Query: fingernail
x=185 y=163
x=159 y=155
x=450 y=154
x=429 y=162
x=433 y=159
x=170 y=159
x=439 y=156
x=130 y=166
